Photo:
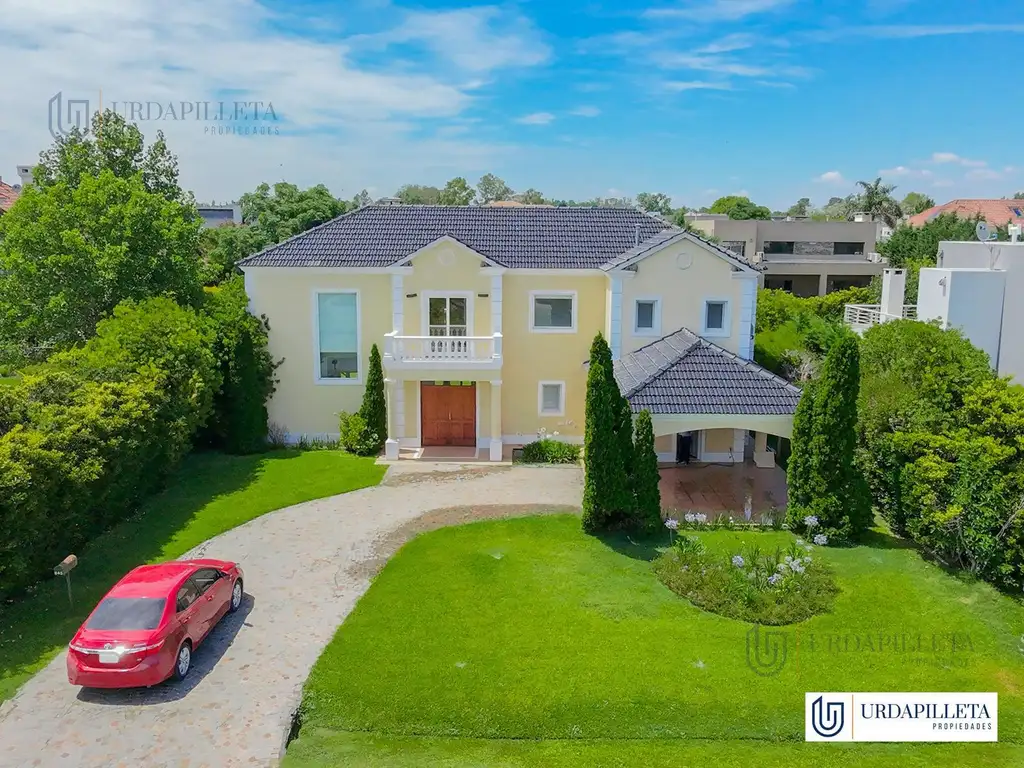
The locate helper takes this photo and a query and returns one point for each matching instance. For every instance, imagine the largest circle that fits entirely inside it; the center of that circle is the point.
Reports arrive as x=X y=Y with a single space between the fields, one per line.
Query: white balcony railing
x=457 y=352
x=872 y=314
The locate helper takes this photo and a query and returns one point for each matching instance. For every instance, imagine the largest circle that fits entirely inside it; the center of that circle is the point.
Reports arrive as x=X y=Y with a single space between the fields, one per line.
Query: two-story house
x=485 y=316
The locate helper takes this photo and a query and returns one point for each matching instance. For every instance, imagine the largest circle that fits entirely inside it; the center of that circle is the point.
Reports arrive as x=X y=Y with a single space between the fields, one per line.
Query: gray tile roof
x=684 y=373
x=524 y=237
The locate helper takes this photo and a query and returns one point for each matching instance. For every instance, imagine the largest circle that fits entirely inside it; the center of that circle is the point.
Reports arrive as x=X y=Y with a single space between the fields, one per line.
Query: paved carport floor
x=305 y=570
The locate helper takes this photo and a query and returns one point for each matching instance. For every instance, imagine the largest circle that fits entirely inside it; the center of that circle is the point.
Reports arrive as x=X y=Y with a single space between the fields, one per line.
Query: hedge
x=86 y=438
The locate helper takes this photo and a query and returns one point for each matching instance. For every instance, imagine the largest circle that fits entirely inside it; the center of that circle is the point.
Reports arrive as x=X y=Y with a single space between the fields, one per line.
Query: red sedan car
x=146 y=628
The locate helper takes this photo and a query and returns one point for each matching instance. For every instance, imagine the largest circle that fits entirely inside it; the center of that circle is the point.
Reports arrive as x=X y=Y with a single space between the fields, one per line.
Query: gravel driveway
x=305 y=566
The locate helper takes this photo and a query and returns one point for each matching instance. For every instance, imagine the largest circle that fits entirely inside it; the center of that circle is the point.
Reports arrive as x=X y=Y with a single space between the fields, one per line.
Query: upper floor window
x=448 y=315
x=848 y=249
x=647 y=317
x=716 y=318
x=337 y=337
x=778 y=246
x=553 y=311
x=739 y=247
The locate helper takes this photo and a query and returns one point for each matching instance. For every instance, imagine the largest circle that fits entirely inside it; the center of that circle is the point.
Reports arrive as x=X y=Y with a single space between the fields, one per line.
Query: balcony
x=451 y=353
x=860 y=317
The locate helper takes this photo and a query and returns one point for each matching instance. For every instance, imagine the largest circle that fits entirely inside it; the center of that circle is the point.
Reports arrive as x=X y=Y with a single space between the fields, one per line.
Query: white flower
x=555 y=434
x=689 y=517
x=672 y=524
x=807 y=559
x=810 y=521
x=789 y=558
x=698 y=664
x=799 y=542
x=796 y=566
x=821 y=539
x=781 y=567
x=775 y=578
x=700 y=517
x=738 y=561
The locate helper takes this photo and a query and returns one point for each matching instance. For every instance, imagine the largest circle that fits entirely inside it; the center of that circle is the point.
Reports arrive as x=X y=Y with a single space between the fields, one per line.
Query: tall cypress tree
x=374 y=409
x=646 y=477
x=825 y=481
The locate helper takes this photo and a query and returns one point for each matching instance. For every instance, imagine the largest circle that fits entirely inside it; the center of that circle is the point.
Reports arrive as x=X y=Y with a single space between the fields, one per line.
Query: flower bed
x=778 y=586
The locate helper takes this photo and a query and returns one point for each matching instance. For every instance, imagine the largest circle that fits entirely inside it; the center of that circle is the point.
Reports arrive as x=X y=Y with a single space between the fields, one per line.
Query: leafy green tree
x=646 y=477
x=877 y=200
x=418 y=194
x=800 y=208
x=655 y=202
x=360 y=200
x=1018 y=196
x=911 y=248
x=607 y=500
x=113 y=145
x=531 y=197
x=69 y=255
x=916 y=202
x=223 y=247
x=491 y=189
x=287 y=210
x=457 y=192
x=824 y=480
x=374 y=409
x=738 y=207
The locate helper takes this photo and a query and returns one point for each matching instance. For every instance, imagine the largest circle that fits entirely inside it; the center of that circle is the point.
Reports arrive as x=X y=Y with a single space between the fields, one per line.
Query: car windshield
x=127 y=613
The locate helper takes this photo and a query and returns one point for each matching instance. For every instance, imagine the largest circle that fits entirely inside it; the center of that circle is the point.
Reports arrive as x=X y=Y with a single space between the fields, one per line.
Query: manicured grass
x=528 y=630
x=210 y=494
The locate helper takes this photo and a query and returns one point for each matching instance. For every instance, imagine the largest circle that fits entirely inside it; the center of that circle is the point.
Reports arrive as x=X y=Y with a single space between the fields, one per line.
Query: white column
x=495 y=446
x=615 y=318
x=397 y=303
x=763 y=458
x=496 y=303
x=391 y=444
x=748 y=311
x=739 y=444
x=822 y=284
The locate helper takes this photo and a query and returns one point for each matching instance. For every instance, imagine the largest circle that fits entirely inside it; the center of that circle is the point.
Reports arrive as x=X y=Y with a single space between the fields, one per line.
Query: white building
x=975 y=287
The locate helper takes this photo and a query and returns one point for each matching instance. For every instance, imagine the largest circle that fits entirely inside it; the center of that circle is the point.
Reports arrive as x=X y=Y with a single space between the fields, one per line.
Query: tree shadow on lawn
x=37 y=623
x=636 y=546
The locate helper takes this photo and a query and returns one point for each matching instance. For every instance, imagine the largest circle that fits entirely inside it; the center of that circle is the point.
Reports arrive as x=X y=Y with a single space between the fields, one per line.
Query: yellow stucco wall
x=681 y=277
x=665 y=443
x=534 y=357
x=301 y=405
x=445 y=267
x=718 y=440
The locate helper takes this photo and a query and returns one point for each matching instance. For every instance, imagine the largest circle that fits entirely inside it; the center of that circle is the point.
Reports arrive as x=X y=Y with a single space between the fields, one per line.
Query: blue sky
x=780 y=99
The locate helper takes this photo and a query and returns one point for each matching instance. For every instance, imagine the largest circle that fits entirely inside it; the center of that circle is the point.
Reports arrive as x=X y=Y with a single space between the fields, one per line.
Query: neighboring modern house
x=995 y=212
x=218 y=215
x=485 y=317
x=975 y=287
x=804 y=257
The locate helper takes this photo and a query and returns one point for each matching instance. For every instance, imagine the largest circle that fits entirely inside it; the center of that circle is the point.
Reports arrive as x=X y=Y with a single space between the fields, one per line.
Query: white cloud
x=719 y=10
x=340 y=122
x=902 y=171
x=949 y=157
x=909 y=31
x=775 y=84
x=831 y=177
x=983 y=174
x=736 y=42
x=536 y=118
x=696 y=85
x=586 y=111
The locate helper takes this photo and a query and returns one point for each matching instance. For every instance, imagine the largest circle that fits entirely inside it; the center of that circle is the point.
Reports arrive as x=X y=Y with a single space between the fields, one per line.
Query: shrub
x=374 y=409
x=760 y=586
x=547 y=450
x=239 y=422
x=646 y=477
x=824 y=481
x=356 y=436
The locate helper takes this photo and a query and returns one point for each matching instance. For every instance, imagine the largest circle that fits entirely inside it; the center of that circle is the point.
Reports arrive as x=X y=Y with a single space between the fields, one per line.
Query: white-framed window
x=336 y=336
x=647 y=316
x=716 y=320
x=553 y=311
x=551 y=398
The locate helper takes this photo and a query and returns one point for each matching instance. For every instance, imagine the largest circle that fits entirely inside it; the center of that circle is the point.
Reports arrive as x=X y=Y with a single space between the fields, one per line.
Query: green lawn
x=524 y=642
x=210 y=494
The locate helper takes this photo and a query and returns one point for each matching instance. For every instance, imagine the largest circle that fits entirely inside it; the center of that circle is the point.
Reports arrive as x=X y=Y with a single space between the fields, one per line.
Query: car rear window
x=127 y=613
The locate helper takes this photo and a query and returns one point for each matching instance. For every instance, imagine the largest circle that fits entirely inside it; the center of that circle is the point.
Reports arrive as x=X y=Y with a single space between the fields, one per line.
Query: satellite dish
x=982 y=231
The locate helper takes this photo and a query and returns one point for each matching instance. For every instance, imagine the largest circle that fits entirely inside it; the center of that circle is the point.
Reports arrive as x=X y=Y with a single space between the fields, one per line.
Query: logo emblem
x=766 y=650
x=77 y=116
x=827 y=719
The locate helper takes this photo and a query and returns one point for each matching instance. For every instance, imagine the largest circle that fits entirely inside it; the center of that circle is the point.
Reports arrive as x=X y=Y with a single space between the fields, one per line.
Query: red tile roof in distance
x=8 y=195
x=996 y=212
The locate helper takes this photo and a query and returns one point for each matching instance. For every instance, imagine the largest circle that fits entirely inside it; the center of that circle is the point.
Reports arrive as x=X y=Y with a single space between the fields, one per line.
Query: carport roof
x=683 y=373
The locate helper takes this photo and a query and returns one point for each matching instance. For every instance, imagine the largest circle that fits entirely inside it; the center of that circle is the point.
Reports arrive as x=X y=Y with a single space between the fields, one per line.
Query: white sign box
x=901 y=717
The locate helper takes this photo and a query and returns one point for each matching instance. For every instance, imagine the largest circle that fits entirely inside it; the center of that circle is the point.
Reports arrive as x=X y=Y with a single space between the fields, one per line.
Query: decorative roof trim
x=450 y=239
x=659 y=242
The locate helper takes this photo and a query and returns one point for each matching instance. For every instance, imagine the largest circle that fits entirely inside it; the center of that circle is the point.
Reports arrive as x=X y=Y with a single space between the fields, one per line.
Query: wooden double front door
x=448 y=414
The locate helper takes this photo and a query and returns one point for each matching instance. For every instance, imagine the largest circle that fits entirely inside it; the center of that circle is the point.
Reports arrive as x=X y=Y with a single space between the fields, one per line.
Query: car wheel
x=183 y=662
x=236 y=596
